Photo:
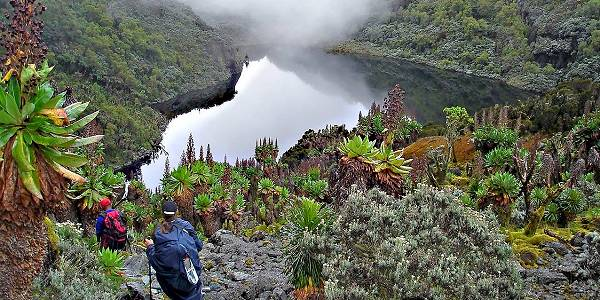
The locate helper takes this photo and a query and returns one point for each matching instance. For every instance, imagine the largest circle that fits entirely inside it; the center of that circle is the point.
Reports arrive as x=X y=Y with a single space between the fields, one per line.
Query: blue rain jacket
x=165 y=257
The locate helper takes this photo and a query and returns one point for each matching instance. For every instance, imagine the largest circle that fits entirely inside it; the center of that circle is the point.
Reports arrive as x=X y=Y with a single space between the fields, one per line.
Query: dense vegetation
x=124 y=55
x=396 y=250
x=530 y=44
x=361 y=216
x=520 y=185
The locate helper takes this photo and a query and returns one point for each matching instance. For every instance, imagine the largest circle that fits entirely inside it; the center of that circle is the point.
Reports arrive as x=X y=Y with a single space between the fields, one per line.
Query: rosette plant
x=390 y=167
x=180 y=186
x=35 y=125
x=357 y=147
x=37 y=134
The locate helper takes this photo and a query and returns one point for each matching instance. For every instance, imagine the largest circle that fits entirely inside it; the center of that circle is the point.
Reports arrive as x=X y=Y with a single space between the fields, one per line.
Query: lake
x=283 y=92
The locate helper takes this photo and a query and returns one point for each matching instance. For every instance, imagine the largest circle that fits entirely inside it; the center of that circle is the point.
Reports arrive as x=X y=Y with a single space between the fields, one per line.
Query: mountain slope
x=124 y=55
x=531 y=44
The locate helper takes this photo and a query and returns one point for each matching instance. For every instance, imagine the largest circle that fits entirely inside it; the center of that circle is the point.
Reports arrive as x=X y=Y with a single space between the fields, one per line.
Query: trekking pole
x=150 y=276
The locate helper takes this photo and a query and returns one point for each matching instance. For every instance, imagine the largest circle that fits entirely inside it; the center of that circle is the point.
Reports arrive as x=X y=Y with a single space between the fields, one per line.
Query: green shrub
x=570 y=202
x=112 y=262
x=488 y=138
x=498 y=158
x=408 y=127
x=377 y=125
x=502 y=184
x=468 y=201
x=315 y=188
x=304 y=232
x=77 y=274
x=357 y=147
x=426 y=245
x=531 y=67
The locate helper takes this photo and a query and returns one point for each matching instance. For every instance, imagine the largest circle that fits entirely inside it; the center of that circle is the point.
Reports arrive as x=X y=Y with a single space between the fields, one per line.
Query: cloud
x=304 y=22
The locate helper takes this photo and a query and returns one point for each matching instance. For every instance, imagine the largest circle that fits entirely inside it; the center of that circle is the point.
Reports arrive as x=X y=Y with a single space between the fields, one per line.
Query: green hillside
x=531 y=44
x=123 y=55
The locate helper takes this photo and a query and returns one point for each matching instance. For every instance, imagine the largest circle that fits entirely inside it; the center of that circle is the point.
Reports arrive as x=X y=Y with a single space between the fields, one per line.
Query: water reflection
x=270 y=102
x=285 y=92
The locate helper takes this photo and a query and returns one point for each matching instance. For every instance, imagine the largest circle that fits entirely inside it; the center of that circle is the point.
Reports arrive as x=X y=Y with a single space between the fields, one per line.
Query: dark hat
x=169 y=208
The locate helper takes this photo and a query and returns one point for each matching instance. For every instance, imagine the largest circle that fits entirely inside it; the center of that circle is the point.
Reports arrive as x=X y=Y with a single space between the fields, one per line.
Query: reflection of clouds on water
x=270 y=102
x=335 y=75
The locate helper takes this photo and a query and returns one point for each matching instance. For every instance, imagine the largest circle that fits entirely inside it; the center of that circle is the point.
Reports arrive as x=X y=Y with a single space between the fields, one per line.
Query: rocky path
x=572 y=270
x=234 y=268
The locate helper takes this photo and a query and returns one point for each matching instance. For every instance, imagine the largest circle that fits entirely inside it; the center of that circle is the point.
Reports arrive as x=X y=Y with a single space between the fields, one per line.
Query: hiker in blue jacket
x=173 y=253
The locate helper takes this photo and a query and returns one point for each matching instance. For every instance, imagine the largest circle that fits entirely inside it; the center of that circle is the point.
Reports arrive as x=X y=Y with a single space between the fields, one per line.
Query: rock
x=279 y=294
x=545 y=276
x=208 y=246
x=274 y=253
x=215 y=287
x=244 y=269
x=528 y=258
x=578 y=239
x=576 y=271
x=136 y=290
x=258 y=235
x=558 y=247
x=136 y=265
x=240 y=276
x=569 y=265
x=265 y=295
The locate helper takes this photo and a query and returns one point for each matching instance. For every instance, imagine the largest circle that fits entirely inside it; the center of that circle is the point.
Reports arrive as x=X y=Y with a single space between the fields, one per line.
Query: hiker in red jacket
x=111 y=227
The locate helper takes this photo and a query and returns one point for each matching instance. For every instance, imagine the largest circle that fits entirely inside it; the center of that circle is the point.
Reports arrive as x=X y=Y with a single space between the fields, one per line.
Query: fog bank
x=303 y=22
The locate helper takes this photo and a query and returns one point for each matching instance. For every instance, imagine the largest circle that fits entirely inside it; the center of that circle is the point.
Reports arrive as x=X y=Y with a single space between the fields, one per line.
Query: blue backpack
x=177 y=260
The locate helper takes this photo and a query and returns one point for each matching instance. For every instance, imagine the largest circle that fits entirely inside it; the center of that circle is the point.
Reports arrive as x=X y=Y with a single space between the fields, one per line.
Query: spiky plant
x=179 y=185
x=36 y=134
x=112 y=262
x=101 y=182
x=235 y=210
x=266 y=186
x=498 y=158
x=268 y=191
x=390 y=167
x=305 y=222
x=552 y=213
x=34 y=126
x=357 y=147
x=353 y=168
x=538 y=196
x=315 y=188
x=570 y=202
x=204 y=205
x=502 y=188
x=201 y=174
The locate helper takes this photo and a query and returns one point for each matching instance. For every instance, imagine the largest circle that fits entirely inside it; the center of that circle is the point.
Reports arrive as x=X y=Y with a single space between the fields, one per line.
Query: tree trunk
x=211 y=223
x=185 y=205
x=23 y=246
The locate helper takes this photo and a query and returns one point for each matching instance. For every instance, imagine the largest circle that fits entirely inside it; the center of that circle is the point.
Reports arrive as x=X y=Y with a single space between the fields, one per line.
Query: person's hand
x=148 y=242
